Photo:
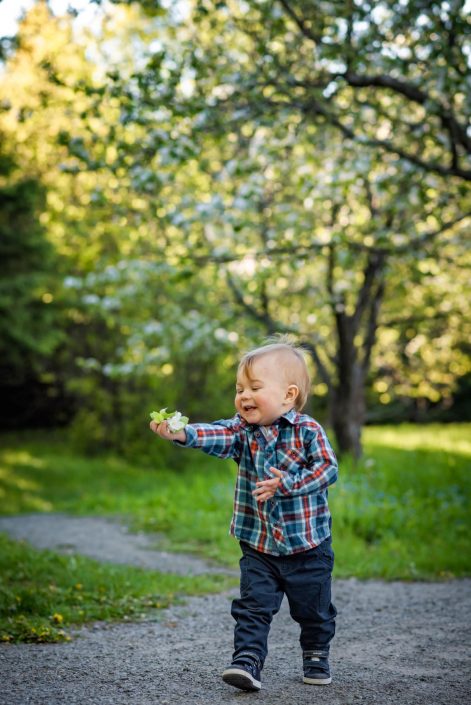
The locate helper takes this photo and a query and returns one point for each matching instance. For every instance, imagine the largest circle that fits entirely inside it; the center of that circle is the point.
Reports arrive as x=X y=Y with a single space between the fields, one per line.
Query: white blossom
x=176 y=422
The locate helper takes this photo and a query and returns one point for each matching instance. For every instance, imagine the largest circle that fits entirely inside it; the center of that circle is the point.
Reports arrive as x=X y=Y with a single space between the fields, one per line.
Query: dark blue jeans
x=305 y=579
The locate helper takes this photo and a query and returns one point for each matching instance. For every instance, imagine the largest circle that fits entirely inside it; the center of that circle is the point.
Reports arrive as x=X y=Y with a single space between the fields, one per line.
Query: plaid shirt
x=297 y=517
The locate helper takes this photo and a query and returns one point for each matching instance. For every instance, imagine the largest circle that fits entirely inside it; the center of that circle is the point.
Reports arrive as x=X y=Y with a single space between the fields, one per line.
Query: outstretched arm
x=220 y=438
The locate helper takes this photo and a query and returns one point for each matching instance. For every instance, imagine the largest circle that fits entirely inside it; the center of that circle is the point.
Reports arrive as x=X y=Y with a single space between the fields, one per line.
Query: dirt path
x=396 y=644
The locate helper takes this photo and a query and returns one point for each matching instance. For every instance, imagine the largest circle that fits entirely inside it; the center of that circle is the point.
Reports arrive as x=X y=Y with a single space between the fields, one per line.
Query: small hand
x=162 y=429
x=267 y=488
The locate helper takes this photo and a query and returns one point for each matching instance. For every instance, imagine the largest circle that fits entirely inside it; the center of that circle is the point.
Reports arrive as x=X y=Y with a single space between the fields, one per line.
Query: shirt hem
x=301 y=549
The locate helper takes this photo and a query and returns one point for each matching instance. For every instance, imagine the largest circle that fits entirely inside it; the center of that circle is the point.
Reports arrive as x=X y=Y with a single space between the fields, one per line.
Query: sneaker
x=316 y=667
x=244 y=673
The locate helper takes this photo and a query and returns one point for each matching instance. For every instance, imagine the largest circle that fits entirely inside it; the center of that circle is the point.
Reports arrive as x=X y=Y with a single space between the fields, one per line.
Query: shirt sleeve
x=220 y=438
x=320 y=472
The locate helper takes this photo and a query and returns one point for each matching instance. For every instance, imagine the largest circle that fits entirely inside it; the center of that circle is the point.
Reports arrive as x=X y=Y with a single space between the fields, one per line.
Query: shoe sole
x=240 y=679
x=317 y=681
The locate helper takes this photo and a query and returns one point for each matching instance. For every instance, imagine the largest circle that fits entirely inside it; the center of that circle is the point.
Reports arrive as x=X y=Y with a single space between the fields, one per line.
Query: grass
x=42 y=594
x=401 y=513
x=191 y=507
x=404 y=511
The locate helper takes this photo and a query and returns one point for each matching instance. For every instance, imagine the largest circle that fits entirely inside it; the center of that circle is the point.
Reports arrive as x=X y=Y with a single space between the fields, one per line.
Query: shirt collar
x=291 y=416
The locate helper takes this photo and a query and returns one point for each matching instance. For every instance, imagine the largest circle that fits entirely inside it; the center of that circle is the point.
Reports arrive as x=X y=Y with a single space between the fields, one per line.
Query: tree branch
x=372 y=272
x=299 y=21
x=260 y=316
x=314 y=107
x=274 y=327
x=418 y=242
x=457 y=132
x=413 y=93
x=305 y=251
x=408 y=320
x=321 y=368
x=372 y=325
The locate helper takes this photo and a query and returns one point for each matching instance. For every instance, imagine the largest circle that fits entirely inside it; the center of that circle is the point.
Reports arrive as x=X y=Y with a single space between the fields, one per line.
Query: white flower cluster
x=176 y=422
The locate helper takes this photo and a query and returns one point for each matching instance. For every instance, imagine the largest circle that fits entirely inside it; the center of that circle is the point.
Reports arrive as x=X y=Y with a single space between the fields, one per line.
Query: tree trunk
x=347 y=402
x=347 y=411
x=352 y=359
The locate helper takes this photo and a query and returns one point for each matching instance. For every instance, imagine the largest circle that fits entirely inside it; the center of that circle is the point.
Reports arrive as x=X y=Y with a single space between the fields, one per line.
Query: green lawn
x=400 y=513
x=404 y=511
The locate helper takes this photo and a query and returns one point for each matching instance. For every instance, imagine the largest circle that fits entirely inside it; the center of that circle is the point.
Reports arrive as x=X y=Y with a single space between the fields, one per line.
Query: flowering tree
x=331 y=136
x=302 y=164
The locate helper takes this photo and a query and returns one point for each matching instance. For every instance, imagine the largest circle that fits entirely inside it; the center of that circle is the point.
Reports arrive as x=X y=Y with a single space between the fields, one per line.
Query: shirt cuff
x=191 y=438
x=285 y=486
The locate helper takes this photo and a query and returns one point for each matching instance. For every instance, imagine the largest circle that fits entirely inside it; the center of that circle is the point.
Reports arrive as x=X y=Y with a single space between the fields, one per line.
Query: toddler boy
x=281 y=515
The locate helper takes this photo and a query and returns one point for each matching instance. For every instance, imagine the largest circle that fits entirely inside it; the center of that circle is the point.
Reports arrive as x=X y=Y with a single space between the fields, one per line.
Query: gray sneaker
x=316 y=667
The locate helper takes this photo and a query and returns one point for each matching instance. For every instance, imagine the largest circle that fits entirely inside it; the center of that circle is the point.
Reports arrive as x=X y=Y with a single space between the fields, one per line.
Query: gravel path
x=104 y=539
x=396 y=644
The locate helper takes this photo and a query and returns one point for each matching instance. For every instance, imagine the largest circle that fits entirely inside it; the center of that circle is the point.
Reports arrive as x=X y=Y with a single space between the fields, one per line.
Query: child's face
x=266 y=396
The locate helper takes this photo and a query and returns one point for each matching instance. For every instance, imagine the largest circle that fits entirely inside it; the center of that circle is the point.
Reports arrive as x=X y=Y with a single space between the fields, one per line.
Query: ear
x=292 y=393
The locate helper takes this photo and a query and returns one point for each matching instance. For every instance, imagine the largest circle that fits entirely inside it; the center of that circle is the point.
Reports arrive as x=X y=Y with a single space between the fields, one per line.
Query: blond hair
x=294 y=367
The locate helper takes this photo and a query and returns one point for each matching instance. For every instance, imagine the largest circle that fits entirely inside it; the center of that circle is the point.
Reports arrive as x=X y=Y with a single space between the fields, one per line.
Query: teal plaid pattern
x=297 y=517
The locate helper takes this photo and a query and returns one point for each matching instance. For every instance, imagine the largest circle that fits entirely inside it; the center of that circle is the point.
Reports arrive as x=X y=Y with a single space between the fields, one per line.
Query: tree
x=120 y=355
x=28 y=313
x=35 y=107
x=383 y=85
x=309 y=269
x=387 y=75
x=231 y=164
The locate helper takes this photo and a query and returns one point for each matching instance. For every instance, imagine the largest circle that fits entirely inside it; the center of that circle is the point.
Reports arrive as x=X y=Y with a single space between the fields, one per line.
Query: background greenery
x=400 y=513
x=177 y=182
x=180 y=180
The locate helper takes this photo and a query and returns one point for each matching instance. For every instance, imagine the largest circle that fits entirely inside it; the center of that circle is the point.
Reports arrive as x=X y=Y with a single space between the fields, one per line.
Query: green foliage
x=327 y=142
x=388 y=75
x=27 y=275
x=218 y=171
x=31 y=314
x=43 y=594
x=401 y=513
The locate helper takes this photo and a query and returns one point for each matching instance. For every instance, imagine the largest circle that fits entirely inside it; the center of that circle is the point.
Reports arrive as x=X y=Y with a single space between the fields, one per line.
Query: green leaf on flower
x=159 y=416
x=164 y=415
